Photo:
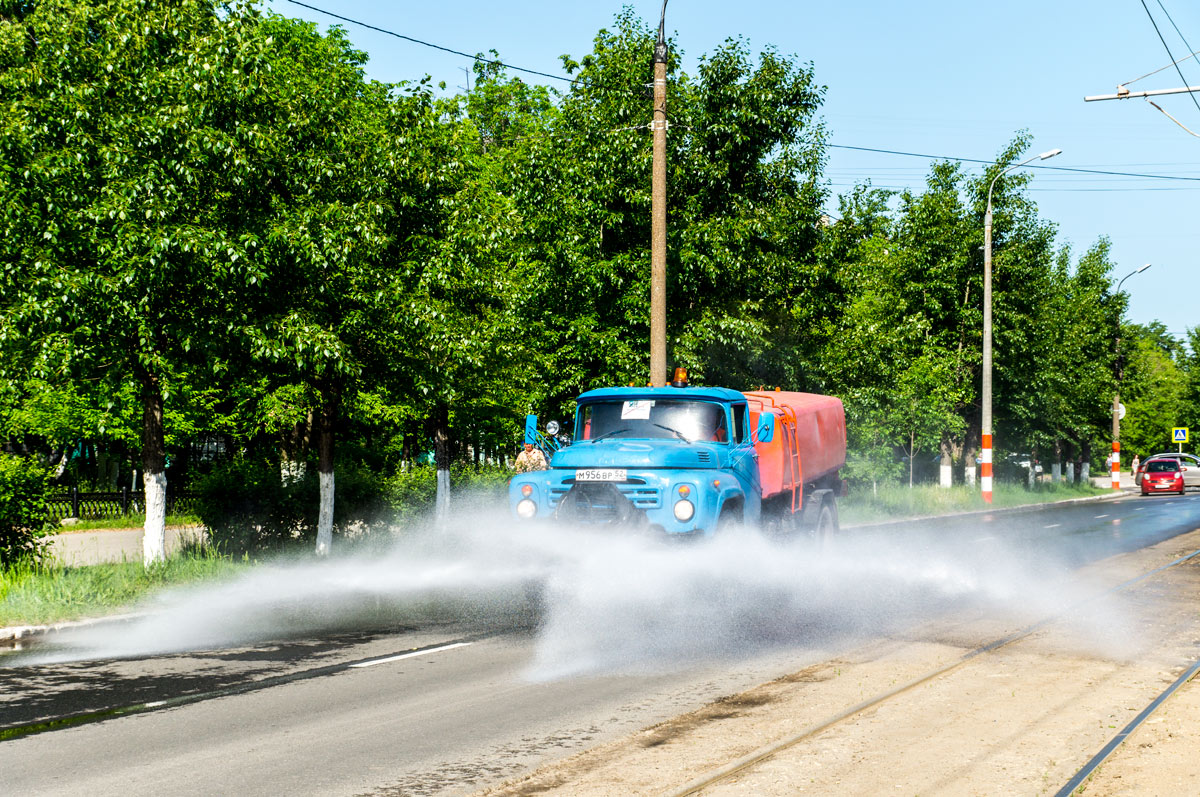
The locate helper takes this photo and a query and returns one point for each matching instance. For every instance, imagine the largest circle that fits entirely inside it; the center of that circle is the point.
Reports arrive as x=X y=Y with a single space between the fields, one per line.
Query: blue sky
x=934 y=77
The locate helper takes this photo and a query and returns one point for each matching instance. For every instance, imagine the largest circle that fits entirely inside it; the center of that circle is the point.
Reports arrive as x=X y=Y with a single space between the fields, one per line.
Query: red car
x=1162 y=476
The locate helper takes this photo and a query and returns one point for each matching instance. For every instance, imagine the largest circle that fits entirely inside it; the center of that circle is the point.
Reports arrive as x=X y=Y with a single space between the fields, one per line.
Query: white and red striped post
x=985 y=469
x=1116 y=465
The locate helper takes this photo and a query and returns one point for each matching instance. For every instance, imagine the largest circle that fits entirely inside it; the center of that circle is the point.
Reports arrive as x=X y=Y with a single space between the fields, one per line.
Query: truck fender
x=734 y=501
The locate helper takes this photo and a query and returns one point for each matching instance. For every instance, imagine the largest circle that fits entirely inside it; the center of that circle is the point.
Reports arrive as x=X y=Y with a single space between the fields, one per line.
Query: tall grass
x=32 y=594
x=894 y=502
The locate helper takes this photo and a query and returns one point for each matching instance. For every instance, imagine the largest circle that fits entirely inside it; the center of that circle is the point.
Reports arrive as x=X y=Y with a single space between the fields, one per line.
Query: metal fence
x=102 y=506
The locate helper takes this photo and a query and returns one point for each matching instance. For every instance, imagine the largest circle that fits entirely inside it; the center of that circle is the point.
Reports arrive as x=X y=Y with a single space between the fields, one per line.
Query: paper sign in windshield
x=637 y=410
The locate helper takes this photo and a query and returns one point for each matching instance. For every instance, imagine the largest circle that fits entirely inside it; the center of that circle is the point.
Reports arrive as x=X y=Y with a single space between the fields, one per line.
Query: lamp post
x=985 y=476
x=1116 y=409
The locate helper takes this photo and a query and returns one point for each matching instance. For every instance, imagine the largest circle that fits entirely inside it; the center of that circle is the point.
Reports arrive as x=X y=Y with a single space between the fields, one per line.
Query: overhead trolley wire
x=574 y=81
x=476 y=57
x=1168 y=49
x=497 y=62
x=988 y=162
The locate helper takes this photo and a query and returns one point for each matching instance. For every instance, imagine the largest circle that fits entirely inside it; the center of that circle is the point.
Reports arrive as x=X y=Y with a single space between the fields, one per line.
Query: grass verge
x=899 y=502
x=36 y=595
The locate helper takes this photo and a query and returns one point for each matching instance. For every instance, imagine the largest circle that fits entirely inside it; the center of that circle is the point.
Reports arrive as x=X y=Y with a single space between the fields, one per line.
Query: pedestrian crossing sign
x=1180 y=435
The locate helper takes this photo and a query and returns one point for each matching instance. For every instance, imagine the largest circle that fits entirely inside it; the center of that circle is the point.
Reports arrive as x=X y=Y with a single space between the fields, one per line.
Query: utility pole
x=658 y=211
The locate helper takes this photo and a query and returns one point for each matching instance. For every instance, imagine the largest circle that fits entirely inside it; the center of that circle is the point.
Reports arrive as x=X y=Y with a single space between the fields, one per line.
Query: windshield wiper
x=675 y=432
x=608 y=434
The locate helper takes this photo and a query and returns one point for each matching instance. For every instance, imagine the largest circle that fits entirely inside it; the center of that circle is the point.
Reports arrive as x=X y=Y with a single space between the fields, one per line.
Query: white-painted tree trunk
x=946 y=477
x=969 y=473
x=325 y=516
x=442 y=512
x=1085 y=473
x=1056 y=472
x=154 y=533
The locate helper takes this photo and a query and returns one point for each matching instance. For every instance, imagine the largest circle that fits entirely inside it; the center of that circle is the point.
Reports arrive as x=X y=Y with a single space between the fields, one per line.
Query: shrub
x=23 y=513
x=413 y=492
x=247 y=509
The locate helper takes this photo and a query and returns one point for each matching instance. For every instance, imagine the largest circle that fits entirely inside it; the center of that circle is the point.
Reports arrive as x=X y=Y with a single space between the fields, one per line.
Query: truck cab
x=679 y=460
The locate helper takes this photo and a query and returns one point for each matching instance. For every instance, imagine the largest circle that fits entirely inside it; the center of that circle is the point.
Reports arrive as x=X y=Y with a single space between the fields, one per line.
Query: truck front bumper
x=677 y=502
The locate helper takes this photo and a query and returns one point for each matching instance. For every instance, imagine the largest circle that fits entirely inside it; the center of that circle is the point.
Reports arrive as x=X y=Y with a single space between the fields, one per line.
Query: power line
x=904 y=187
x=1168 y=49
x=988 y=162
x=478 y=58
x=497 y=62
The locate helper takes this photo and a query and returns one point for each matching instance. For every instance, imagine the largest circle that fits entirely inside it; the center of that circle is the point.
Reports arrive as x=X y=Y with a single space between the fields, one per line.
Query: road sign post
x=1179 y=435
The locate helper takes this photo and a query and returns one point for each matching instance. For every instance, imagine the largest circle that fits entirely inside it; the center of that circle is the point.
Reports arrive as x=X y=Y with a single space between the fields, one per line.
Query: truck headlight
x=526 y=509
x=683 y=510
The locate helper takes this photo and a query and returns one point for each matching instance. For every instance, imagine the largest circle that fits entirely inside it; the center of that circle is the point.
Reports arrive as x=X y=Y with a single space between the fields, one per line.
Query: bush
x=247 y=509
x=413 y=492
x=23 y=513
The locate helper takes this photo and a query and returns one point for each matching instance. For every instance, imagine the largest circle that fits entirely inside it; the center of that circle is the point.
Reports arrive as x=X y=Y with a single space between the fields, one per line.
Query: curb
x=1009 y=510
x=15 y=632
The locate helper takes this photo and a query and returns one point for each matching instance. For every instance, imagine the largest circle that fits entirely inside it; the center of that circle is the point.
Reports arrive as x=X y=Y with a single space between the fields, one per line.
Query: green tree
x=1154 y=388
x=744 y=192
x=126 y=195
x=320 y=317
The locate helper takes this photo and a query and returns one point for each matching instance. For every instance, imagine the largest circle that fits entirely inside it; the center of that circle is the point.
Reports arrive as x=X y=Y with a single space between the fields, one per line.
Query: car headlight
x=684 y=511
x=526 y=509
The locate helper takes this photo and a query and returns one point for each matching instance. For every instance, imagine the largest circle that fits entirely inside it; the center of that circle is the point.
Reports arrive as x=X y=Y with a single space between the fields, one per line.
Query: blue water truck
x=685 y=461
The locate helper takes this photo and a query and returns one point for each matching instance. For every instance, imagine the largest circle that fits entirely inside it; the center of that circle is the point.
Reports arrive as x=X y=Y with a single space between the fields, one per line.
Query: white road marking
x=1052 y=526
x=410 y=655
x=1100 y=516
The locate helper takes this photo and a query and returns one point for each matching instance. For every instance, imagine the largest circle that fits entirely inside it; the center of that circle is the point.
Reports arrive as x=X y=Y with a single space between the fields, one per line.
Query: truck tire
x=827 y=523
x=820 y=521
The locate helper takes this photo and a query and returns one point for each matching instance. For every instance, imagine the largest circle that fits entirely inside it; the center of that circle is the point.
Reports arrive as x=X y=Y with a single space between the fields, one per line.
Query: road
x=437 y=705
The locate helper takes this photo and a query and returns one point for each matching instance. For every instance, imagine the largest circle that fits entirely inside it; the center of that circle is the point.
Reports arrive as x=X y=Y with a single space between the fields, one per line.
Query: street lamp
x=985 y=476
x=1116 y=429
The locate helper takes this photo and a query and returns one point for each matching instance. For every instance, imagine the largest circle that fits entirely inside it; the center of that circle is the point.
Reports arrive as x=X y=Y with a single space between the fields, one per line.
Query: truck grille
x=635 y=492
x=604 y=503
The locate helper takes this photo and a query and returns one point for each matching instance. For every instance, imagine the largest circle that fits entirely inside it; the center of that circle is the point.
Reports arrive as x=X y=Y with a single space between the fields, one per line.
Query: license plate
x=600 y=475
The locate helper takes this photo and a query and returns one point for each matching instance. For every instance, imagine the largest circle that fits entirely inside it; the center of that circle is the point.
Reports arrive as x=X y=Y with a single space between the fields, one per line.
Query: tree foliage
x=211 y=222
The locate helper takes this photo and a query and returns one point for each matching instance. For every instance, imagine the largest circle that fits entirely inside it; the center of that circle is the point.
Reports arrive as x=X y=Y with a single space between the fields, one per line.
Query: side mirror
x=766 y=428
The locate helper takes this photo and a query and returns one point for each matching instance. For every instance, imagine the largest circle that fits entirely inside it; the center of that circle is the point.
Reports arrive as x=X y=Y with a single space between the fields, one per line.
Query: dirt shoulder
x=1022 y=719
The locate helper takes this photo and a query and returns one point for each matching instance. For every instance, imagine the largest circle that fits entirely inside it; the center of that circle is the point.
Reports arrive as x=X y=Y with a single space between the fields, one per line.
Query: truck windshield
x=678 y=419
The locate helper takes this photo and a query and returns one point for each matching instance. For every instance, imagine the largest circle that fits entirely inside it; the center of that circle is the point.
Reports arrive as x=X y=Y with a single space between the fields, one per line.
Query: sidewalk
x=96 y=546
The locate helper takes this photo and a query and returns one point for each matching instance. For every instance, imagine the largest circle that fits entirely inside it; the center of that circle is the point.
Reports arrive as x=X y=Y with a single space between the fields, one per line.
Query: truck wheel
x=827 y=524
